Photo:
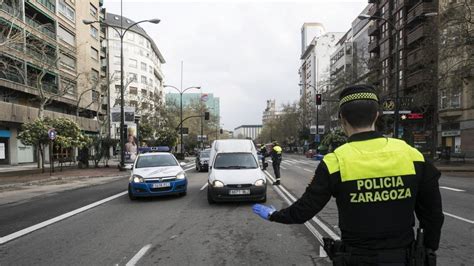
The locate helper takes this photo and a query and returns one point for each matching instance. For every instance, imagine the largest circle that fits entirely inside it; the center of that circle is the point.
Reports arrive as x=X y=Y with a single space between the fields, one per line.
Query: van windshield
x=235 y=161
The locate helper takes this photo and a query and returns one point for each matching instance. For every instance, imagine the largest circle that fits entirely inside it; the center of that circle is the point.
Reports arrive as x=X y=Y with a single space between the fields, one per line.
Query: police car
x=156 y=172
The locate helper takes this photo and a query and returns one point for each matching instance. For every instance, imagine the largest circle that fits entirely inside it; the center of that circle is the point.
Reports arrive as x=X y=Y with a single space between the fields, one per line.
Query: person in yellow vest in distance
x=379 y=184
x=276 y=155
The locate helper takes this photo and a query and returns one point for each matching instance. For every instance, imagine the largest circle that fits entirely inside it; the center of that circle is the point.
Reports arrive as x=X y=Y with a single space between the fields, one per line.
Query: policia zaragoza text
x=394 y=189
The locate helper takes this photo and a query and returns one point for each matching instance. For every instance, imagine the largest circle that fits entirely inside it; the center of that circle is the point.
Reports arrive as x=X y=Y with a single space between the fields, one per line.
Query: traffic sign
x=52 y=133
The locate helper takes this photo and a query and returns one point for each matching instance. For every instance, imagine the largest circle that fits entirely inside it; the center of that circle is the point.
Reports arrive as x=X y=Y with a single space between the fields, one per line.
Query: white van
x=234 y=172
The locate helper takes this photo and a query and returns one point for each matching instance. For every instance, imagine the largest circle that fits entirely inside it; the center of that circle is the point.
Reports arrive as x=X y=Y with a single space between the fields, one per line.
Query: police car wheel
x=264 y=199
x=182 y=194
x=130 y=194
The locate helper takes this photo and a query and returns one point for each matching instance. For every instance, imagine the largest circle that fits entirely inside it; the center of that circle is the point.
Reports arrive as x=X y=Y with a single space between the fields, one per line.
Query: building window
x=133 y=103
x=66 y=36
x=68 y=86
x=133 y=77
x=456 y=100
x=144 y=92
x=143 y=79
x=94 y=53
x=66 y=10
x=133 y=90
x=94 y=75
x=67 y=61
x=444 y=99
x=93 y=10
x=117 y=89
x=384 y=30
x=49 y=4
x=132 y=63
x=143 y=66
x=94 y=32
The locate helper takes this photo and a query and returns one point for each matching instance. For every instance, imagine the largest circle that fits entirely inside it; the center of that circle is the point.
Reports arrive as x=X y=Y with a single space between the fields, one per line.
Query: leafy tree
x=165 y=137
x=36 y=134
x=146 y=131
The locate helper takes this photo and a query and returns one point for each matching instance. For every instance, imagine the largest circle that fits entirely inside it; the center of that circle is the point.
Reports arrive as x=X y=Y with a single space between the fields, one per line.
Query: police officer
x=379 y=184
x=276 y=161
x=263 y=152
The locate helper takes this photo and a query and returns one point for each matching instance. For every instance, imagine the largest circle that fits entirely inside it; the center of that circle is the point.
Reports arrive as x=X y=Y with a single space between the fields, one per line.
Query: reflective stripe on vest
x=277 y=149
x=373 y=158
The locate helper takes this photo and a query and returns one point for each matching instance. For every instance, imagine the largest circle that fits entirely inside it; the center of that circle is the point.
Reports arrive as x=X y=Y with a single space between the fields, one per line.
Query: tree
x=36 y=134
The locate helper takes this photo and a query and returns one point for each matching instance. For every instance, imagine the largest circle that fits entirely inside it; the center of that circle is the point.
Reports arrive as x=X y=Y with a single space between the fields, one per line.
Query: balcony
x=373 y=29
x=415 y=57
x=417 y=34
x=44 y=28
x=373 y=11
x=418 y=10
x=373 y=63
x=399 y=4
x=374 y=47
x=16 y=12
x=417 y=78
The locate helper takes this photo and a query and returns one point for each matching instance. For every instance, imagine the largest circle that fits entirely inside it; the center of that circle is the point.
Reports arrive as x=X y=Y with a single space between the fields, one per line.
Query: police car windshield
x=235 y=161
x=157 y=160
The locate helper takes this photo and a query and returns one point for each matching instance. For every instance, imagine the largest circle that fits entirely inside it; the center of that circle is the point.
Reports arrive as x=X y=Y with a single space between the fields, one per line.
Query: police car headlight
x=137 y=179
x=217 y=183
x=181 y=176
x=259 y=183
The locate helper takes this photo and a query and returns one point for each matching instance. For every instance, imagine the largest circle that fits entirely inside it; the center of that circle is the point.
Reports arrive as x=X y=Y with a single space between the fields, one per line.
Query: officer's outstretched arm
x=428 y=207
x=317 y=194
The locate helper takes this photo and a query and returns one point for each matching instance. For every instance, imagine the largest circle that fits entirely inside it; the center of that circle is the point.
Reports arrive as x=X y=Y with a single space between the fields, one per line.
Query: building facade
x=50 y=67
x=247 y=131
x=407 y=43
x=456 y=76
x=271 y=112
x=143 y=76
x=315 y=69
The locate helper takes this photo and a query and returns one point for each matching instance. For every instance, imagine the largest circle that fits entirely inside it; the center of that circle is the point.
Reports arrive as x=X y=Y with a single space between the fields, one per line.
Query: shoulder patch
x=332 y=163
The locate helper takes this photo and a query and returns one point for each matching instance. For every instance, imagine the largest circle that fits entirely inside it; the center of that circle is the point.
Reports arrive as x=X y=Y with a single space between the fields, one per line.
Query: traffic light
x=318 y=99
x=206 y=115
x=221 y=131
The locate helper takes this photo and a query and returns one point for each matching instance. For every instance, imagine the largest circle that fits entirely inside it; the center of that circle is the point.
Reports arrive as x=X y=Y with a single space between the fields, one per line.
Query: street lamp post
x=121 y=34
x=181 y=92
x=397 y=64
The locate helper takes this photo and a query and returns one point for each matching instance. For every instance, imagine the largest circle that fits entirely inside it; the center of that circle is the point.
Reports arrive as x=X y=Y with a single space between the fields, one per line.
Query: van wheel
x=210 y=200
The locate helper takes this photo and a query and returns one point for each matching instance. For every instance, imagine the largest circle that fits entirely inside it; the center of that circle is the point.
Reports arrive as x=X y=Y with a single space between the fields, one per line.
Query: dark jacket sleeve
x=428 y=207
x=317 y=194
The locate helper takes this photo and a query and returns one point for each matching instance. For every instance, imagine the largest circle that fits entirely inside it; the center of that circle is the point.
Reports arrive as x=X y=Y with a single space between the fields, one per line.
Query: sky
x=245 y=52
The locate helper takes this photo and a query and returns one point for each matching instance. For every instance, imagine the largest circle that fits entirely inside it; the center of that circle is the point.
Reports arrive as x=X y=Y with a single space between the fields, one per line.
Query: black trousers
x=263 y=163
x=276 y=168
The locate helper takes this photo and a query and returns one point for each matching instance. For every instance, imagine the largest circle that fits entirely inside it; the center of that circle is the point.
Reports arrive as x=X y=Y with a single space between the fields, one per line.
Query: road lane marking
x=282 y=167
x=315 y=219
x=459 y=218
x=453 y=189
x=35 y=227
x=61 y=217
x=308 y=225
x=203 y=187
x=307 y=170
x=287 y=163
x=138 y=256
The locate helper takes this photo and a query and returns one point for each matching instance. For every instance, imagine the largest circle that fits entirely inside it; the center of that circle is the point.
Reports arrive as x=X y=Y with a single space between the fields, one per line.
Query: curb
x=52 y=179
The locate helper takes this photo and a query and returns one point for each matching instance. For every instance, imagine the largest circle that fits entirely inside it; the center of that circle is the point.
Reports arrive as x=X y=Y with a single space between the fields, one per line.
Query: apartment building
x=271 y=112
x=247 y=131
x=404 y=21
x=143 y=84
x=50 y=66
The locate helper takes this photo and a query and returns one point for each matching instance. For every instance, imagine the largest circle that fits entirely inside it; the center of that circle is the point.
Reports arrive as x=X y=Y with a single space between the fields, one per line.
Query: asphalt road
x=189 y=231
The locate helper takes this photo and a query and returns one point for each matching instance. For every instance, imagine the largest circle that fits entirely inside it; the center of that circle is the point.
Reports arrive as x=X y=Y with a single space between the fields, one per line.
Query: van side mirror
x=182 y=164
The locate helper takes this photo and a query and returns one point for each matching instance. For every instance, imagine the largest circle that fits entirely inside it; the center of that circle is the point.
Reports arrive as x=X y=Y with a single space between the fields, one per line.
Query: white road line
x=315 y=219
x=282 y=167
x=284 y=162
x=453 y=189
x=459 y=218
x=35 y=227
x=61 y=217
x=203 y=187
x=188 y=169
x=138 y=256
x=310 y=227
x=307 y=170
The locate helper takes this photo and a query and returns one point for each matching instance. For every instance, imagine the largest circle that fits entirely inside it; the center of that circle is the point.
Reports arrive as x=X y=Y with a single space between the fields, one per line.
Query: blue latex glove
x=263 y=211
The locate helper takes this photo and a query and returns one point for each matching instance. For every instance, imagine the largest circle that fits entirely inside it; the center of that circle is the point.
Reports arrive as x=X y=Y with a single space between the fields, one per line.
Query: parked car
x=157 y=174
x=202 y=160
x=234 y=172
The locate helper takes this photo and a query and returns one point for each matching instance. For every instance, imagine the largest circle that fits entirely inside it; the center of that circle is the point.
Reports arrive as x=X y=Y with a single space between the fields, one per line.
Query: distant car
x=157 y=174
x=202 y=160
x=234 y=173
